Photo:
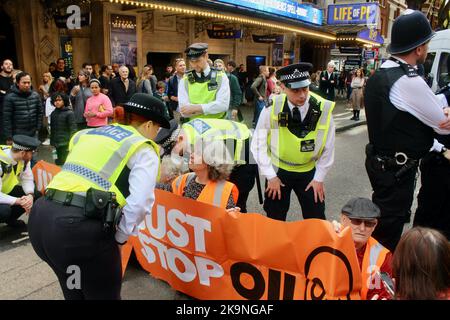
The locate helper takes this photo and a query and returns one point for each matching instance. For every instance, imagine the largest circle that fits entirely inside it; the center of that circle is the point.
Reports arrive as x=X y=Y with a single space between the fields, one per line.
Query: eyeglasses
x=367 y=223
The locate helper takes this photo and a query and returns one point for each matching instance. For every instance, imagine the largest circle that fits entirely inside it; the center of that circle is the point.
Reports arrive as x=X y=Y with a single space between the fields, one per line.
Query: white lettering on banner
x=178 y=235
x=174 y=217
x=43 y=179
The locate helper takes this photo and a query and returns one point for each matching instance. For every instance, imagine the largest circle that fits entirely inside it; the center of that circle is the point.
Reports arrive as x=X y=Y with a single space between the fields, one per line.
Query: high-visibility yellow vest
x=199 y=93
x=215 y=193
x=285 y=148
x=11 y=179
x=97 y=158
x=219 y=129
x=373 y=259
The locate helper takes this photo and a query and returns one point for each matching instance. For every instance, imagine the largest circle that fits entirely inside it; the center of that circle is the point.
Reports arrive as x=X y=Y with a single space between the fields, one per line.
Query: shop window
x=443 y=71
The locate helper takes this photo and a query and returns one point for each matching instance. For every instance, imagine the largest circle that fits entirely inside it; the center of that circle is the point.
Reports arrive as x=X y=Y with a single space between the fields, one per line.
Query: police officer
x=108 y=168
x=402 y=116
x=293 y=145
x=236 y=137
x=17 y=191
x=432 y=202
x=204 y=92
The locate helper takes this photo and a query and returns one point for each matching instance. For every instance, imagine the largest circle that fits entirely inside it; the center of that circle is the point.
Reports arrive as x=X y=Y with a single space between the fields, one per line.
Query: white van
x=438 y=60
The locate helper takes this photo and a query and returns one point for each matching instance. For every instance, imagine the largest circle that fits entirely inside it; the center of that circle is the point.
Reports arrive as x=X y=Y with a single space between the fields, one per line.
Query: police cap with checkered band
x=149 y=107
x=295 y=76
x=25 y=143
x=196 y=50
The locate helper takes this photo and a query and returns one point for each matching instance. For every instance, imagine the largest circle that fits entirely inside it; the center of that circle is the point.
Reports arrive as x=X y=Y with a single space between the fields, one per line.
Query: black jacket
x=327 y=85
x=62 y=125
x=118 y=94
x=22 y=113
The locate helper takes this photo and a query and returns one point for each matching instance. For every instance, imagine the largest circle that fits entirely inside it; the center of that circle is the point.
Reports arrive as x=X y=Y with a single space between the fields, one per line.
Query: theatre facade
x=37 y=32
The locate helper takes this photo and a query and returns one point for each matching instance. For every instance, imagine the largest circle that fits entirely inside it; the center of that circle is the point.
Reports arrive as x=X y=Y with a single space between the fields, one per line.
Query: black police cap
x=296 y=75
x=361 y=208
x=196 y=50
x=409 y=31
x=149 y=107
x=25 y=143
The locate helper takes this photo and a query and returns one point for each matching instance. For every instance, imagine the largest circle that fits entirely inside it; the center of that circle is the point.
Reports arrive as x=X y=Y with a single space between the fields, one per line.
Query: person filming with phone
x=361 y=216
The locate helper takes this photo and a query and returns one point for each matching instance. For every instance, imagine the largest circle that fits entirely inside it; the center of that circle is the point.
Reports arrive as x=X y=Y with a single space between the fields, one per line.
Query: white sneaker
x=46 y=142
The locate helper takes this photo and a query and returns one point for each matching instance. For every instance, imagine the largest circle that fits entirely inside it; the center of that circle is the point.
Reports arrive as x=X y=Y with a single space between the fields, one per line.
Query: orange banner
x=44 y=172
x=207 y=253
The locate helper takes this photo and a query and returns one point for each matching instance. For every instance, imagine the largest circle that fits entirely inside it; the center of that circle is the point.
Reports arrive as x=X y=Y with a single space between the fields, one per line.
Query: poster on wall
x=123 y=40
x=277 y=52
x=67 y=51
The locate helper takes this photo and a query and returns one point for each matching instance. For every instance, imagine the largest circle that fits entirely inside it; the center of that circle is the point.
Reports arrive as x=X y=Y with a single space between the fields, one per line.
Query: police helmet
x=409 y=31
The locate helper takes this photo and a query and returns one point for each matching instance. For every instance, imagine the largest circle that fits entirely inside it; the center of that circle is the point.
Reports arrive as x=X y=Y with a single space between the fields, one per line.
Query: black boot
x=354 y=115
x=357 y=115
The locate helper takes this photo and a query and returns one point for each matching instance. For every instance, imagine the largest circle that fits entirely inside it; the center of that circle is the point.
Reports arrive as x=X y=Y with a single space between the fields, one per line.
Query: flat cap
x=25 y=143
x=195 y=50
x=295 y=76
x=361 y=208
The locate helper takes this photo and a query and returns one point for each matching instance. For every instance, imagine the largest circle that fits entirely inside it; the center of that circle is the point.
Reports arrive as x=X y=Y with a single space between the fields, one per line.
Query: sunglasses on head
x=367 y=223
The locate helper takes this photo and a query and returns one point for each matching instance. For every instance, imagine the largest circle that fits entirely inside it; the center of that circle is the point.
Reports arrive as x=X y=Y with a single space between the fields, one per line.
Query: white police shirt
x=259 y=145
x=221 y=104
x=143 y=166
x=25 y=178
x=413 y=95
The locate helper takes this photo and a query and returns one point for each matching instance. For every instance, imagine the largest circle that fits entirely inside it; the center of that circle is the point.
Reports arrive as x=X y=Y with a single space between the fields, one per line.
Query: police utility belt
x=400 y=163
x=97 y=204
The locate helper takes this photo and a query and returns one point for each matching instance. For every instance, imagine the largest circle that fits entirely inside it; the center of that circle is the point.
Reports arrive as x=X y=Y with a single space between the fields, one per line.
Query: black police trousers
x=85 y=259
x=433 y=209
x=9 y=214
x=394 y=198
x=278 y=209
x=243 y=176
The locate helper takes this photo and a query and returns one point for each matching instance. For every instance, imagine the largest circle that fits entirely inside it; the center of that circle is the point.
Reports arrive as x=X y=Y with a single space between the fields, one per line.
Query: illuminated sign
x=286 y=8
x=353 y=13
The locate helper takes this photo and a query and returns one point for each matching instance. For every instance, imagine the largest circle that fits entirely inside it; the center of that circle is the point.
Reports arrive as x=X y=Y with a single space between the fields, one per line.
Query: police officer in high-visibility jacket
x=236 y=136
x=293 y=145
x=204 y=92
x=75 y=228
x=17 y=190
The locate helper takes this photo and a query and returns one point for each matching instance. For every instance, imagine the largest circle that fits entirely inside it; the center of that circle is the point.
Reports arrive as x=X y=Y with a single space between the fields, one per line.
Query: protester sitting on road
x=361 y=214
x=421 y=265
x=211 y=164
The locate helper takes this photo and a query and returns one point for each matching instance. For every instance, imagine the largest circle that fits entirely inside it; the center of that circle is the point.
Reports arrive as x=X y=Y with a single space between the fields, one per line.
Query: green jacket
x=235 y=91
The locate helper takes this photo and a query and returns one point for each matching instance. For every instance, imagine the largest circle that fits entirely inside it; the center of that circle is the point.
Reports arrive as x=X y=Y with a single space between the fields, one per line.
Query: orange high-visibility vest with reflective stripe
x=215 y=193
x=374 y=257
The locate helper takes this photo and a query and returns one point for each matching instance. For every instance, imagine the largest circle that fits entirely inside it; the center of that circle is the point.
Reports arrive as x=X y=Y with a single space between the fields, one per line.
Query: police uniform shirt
x=26 y=180
x=412 y=95
x=143 y=166
x=219 y=105
x=259 y=145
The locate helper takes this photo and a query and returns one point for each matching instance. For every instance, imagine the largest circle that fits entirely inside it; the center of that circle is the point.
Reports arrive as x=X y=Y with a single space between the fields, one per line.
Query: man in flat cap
x=204 y=92
x=293 y=145
x=361 y=216
x=17 y=192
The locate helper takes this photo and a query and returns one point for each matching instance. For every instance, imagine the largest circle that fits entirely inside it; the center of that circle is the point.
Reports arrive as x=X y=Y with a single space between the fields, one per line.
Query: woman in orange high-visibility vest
x=211 y=165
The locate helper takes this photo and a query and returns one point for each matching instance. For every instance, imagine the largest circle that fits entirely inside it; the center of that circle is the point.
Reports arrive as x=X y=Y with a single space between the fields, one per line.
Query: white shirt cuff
x=121 y=237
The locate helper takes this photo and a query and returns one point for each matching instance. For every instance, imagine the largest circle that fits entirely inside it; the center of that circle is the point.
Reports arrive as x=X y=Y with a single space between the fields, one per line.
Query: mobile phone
x=388 y=283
